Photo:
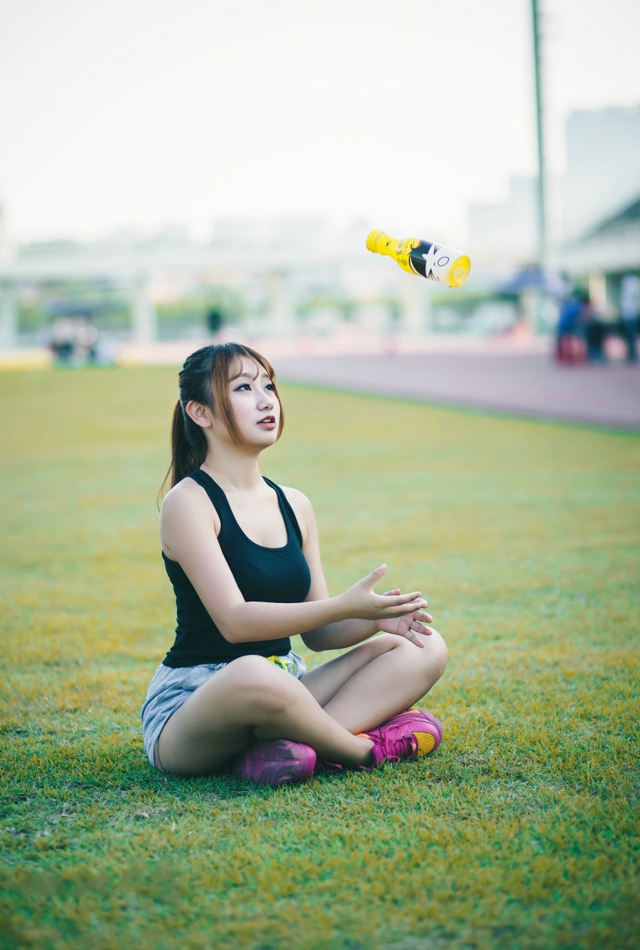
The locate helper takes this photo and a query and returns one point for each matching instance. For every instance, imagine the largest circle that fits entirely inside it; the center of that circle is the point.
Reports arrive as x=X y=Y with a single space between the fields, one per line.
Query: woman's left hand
x=408 y=626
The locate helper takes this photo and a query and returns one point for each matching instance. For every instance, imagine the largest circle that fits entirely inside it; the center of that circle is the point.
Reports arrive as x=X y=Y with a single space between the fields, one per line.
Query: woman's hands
x=403 y=615
x=392 y=612
x=408 y=626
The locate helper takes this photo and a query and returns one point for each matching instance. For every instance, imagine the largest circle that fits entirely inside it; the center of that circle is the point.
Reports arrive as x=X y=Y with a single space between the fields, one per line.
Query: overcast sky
x=141 y=113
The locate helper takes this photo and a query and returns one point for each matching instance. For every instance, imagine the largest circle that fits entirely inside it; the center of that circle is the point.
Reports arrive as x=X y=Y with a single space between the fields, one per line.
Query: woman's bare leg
x=247 y=700
x=377 y=679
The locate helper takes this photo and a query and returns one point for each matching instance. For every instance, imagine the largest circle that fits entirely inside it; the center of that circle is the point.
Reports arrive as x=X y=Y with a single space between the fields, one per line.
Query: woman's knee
x=382 y=643
x=438 y=654
x=260 y=682
x=434 y=653
x=430 y=660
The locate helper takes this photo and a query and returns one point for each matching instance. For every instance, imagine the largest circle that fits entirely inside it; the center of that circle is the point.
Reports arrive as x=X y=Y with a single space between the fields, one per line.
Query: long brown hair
x=204 y=378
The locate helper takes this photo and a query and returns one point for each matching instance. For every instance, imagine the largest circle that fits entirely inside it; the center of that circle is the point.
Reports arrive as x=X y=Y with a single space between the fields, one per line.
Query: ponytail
x=188 y=445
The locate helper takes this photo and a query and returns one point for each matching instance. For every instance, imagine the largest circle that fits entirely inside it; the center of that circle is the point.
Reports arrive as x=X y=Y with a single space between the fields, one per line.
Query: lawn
x=521 y=831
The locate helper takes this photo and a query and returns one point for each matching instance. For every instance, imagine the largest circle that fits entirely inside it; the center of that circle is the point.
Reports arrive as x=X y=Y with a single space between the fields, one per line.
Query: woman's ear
x=199 y=414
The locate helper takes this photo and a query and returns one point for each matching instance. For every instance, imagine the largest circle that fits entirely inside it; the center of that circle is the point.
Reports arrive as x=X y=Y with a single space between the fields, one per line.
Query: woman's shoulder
x=294 y=495
x=185 y=495
x=302 y=507
x=185 y=509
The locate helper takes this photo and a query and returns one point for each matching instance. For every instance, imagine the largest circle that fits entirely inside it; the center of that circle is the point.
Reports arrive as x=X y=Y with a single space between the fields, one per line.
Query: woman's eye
x=242 y=386
x=271 y=387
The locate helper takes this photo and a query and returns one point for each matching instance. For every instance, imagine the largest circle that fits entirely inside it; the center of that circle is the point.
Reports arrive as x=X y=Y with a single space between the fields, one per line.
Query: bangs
x=256 y=358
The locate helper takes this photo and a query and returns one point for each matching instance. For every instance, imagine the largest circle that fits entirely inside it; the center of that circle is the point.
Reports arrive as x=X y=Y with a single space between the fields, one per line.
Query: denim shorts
x=170 y=687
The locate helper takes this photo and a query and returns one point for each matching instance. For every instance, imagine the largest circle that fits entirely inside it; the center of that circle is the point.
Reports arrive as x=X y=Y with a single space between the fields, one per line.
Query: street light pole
x=540 y=184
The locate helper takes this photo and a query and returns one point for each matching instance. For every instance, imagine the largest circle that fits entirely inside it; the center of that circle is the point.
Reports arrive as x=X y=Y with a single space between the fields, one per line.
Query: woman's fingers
x=423 y=617
x=426 y=630
x=414 y=600
x=414 y=638
x=400 y=609
x=393 y=603
x=375 y=576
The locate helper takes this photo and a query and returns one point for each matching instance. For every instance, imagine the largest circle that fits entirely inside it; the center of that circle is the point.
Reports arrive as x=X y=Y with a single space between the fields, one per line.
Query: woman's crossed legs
x=252 y=699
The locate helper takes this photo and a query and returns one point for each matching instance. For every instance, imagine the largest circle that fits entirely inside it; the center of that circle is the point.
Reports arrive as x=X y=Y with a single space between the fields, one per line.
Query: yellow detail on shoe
x=425 y=741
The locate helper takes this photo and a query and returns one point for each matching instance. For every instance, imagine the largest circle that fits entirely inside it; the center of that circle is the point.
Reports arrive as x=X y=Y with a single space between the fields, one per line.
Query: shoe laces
x=397 y=750
x=393 y=748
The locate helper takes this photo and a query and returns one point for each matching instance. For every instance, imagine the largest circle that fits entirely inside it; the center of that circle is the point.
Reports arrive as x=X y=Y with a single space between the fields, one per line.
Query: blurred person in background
x=63 y=340
x=593 y=326
x=74 y=341
x=581 y=332
x=629 y=313
x=569 y=335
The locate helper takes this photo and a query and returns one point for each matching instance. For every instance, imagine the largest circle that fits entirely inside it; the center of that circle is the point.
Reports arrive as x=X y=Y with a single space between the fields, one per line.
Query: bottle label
x=432 y=261
x=424 y=258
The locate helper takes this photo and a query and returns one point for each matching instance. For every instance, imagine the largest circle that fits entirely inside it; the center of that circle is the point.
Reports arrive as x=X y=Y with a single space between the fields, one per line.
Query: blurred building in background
x=299 y=277
x=603 y=168
x=593 y=210
x=601 y=202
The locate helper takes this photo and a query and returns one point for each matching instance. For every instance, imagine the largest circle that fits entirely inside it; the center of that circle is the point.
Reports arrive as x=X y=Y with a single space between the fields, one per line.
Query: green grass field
x=521 y=831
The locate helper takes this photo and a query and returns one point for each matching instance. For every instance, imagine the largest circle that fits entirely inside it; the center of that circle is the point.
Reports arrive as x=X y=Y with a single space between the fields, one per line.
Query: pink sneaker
x=418 y=714
x=425 y=729
x=275 y=762
x=407 y=736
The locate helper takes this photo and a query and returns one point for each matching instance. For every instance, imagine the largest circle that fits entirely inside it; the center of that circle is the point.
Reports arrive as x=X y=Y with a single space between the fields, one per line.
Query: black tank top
x=273 y=575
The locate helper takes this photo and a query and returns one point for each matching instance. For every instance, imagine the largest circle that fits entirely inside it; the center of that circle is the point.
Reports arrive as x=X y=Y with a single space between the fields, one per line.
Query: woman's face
x=254 y=403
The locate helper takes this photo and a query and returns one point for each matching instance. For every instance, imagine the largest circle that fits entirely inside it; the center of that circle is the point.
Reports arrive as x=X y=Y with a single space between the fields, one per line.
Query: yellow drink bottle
x=425 y=258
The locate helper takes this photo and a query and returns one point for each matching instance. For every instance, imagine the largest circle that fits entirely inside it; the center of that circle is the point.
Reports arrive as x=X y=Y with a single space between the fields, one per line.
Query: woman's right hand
x=362 y=603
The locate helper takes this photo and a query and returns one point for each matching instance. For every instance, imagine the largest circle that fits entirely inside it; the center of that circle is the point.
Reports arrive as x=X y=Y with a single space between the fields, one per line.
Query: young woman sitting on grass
x=242 y=554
